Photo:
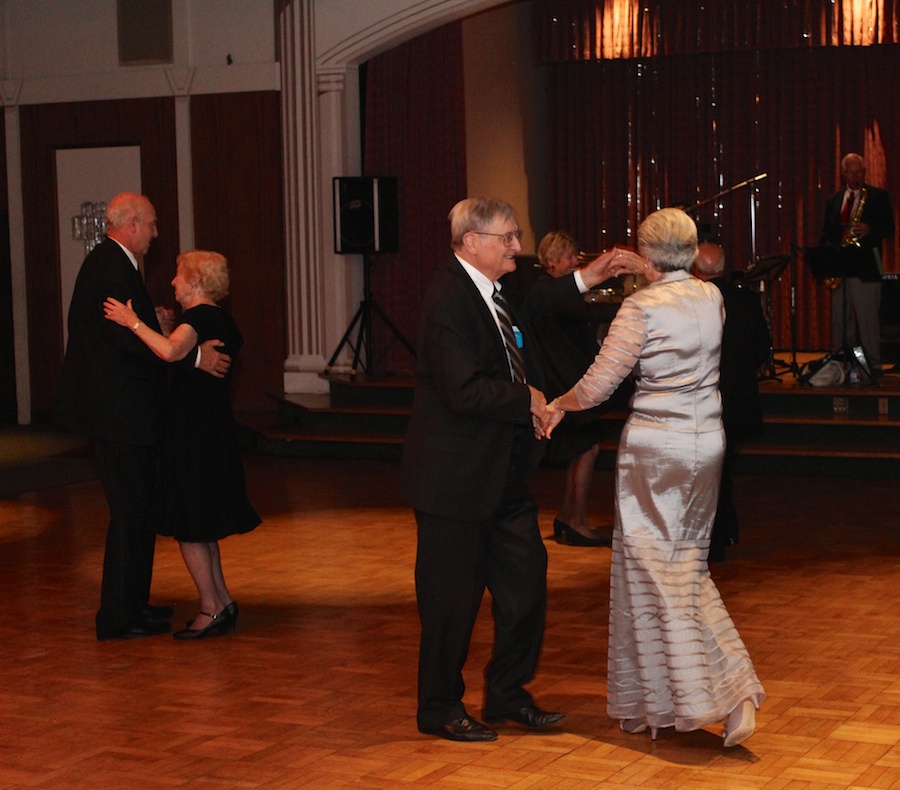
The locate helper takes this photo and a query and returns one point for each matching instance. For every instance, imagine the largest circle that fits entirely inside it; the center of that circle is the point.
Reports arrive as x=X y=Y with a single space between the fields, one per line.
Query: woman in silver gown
x=675 y=658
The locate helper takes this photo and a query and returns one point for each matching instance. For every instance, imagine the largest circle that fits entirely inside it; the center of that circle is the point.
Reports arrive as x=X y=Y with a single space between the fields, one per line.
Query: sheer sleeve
x=617 y=357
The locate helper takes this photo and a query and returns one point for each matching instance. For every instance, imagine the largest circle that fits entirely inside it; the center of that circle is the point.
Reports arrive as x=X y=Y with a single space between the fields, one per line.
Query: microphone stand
x=793 y=366
x=728 y=191
x=769 y=276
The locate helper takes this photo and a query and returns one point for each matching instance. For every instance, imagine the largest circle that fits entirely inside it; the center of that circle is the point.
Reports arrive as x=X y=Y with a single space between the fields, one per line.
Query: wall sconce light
x=90 y=225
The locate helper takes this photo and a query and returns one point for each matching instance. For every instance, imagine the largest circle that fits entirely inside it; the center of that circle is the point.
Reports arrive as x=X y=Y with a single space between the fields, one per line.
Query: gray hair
x=124 y=207
x=668 y=238
x=475 y=214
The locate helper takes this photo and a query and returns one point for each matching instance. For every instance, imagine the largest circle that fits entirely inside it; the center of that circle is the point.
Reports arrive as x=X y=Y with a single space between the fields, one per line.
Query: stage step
x=846 y=431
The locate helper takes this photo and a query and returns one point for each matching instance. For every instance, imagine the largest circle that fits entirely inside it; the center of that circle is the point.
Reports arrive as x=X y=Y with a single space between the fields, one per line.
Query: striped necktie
x=516 y=364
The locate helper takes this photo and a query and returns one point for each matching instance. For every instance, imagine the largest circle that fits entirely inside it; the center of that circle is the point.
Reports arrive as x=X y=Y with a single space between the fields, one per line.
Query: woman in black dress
x=202 y=489
x=566 y=341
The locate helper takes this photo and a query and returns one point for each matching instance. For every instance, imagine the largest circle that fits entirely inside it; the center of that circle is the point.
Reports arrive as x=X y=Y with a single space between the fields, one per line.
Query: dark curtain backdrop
x=602 y=29
x=676 y=130
x=149 y=123
x=415 y=131
x=236 y=154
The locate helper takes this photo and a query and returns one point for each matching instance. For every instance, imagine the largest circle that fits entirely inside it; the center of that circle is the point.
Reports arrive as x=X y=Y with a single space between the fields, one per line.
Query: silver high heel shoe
x=740 y=724
x=637 y=726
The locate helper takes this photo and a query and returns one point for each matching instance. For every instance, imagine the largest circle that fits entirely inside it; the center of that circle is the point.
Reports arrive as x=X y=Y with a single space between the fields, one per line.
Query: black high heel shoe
x=563 y=533
x=231 y=609
x=218 y=625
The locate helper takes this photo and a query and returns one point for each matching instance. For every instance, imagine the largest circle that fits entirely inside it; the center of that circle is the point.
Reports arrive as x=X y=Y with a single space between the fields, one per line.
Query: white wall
x=244 y=29
x=78 y=37
x=67 y=50
x=87 y=174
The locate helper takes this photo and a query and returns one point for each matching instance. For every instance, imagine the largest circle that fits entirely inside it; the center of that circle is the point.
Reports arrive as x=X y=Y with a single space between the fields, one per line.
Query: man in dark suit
x=470 y=449
x=858 y=219
x=112 y=391
x=745 y=348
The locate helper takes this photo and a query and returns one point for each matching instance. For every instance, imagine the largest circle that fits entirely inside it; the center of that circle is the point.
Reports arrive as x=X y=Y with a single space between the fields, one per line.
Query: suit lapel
x=490 y=326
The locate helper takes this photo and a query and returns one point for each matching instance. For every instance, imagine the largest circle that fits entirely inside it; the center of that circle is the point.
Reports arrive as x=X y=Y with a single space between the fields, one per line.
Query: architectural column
x=180 y=83
x=342 y=283
x=321 y=140
x=9 y=92
x=302 y=201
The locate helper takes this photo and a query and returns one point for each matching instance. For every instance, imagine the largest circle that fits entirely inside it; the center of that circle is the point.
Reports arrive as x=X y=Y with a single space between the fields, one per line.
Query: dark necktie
x=516 y=364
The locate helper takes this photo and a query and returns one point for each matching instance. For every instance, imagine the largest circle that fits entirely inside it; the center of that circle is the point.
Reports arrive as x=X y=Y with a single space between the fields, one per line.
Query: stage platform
x=843 y=430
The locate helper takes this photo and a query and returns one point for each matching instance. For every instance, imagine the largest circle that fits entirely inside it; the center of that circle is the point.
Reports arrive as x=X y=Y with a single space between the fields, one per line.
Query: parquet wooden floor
x=316 y=689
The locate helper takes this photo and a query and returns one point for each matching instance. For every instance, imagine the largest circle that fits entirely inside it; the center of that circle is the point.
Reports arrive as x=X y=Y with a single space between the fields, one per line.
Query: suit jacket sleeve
x=878 y=214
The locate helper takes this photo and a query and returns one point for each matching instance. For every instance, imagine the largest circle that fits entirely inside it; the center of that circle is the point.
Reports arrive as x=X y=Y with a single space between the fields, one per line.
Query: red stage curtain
x=570 y=30
x=415 y=131
x=677 y=130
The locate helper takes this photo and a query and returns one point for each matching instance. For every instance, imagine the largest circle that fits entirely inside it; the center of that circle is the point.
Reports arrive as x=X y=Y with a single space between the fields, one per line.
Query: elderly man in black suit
x=471 y=446
x=113 y=391
x=858 y=219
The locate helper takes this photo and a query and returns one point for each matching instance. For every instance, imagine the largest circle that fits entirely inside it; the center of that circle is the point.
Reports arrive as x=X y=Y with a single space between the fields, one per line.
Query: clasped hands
x=612 y=263
x=544 y=416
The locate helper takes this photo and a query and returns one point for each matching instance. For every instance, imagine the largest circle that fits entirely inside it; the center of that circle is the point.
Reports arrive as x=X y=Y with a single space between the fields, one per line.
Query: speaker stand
x=362 y=322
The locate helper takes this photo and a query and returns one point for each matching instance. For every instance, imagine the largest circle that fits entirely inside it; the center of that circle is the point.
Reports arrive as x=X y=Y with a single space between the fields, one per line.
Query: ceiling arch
x=377 y=27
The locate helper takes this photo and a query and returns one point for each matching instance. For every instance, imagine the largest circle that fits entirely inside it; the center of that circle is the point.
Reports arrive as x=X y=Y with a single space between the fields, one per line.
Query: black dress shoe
x=464 y=729
x=530 y=716
x=150 y=612
x=137 y=629
x=563 y=533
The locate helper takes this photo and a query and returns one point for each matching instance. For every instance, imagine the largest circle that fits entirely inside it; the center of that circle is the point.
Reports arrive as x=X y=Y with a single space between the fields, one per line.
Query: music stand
x=767 y=270
x=832 y=262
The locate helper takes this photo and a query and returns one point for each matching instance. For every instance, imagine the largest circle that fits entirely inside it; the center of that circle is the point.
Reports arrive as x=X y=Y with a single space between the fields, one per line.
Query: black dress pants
x=128 y=475
x=455 y=561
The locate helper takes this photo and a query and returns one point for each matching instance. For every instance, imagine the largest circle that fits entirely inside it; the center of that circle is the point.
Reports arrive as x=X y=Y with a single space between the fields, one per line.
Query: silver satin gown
x=675 y=657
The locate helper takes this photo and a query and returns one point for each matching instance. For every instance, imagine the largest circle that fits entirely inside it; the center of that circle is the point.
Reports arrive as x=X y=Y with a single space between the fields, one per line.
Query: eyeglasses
x=507 y=237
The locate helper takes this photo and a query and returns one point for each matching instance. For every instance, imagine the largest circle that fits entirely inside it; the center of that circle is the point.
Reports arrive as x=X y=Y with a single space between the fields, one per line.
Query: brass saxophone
x=849 y=237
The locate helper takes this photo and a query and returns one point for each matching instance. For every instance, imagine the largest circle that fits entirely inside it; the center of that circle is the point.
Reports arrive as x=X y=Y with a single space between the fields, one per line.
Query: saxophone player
x=858 y=219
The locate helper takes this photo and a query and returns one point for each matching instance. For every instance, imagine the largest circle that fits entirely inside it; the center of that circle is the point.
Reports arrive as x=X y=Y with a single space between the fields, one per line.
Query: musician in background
x=858 y=216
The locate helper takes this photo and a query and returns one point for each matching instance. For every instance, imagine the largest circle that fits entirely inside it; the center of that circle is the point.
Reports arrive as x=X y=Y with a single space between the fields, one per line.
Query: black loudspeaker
x=365 y=215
